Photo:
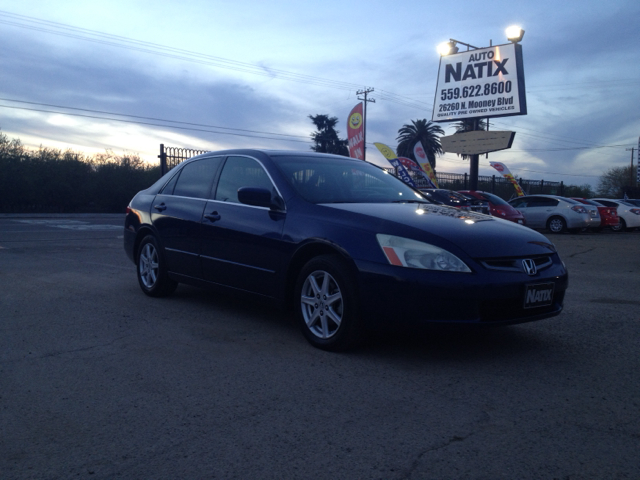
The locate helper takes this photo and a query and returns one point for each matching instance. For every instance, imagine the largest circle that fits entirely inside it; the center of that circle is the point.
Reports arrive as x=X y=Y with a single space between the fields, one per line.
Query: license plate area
x=538 y=295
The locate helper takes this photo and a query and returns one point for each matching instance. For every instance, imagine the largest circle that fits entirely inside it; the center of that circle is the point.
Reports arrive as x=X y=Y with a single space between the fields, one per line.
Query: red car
x=497 y=206
x=608 y=215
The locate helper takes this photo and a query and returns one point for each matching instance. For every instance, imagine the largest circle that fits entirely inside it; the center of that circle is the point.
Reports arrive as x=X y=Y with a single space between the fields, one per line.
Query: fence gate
x=173 y=156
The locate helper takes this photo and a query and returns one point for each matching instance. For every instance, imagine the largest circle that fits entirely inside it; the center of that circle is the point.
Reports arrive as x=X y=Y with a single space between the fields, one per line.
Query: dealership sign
x=471 y=143
x=486 y=82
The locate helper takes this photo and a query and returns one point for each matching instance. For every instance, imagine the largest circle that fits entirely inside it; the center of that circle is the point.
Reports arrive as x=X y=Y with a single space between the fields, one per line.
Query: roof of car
x=274 y=152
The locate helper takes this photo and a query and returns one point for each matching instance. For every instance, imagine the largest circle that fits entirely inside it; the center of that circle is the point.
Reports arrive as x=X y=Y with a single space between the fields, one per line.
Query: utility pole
x=631 y=169
x=365 y=92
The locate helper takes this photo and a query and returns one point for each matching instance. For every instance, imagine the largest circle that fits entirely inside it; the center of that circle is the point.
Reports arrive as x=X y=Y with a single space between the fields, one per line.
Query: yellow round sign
x=355 y=120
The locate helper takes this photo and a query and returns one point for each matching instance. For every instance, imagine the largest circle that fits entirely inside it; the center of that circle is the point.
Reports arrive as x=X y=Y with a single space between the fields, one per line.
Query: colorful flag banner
x=355 y=132
x=502 y=168
x=421 y=157
x=391 y=156
x=414 y=167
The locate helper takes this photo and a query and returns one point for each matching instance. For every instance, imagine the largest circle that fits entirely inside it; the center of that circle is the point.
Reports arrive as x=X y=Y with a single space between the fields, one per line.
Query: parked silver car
x=556 y=213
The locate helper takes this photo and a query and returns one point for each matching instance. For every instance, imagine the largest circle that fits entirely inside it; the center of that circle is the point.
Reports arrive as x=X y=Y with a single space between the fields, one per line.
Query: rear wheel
x=326 y=306
x=620 y=227
x=557 y=225
x=152 y=270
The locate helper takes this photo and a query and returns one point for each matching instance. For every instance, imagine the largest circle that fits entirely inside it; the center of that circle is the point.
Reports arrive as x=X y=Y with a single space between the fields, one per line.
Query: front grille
x=515 y=264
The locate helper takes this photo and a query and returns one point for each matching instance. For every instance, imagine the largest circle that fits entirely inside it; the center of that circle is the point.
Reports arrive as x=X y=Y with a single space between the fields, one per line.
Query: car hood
x=479 y=236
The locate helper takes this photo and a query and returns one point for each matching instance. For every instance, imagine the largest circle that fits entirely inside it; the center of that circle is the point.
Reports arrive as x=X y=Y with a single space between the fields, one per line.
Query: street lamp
x=447 y=48
x=514 y=33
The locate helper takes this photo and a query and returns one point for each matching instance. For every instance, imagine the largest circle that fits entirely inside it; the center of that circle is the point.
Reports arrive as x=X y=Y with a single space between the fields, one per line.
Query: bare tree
x=615 y=182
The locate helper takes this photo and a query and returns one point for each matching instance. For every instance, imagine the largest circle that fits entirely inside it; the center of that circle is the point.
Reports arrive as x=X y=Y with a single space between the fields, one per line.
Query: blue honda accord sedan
x=342 y=242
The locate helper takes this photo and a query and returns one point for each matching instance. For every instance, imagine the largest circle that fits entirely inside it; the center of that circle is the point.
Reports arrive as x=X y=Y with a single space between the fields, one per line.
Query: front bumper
x=396 y=295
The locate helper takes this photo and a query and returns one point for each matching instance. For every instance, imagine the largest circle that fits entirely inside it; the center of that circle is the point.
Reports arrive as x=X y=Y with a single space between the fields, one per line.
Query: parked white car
x=558 y=214
x=629 y=214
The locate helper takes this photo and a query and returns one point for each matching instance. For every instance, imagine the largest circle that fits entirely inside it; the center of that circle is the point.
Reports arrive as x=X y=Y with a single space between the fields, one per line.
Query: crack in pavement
x=415 y=463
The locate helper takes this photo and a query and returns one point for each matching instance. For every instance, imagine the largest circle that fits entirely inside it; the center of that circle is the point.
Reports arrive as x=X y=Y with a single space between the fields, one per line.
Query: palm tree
x=420 y=131
x=326 y=138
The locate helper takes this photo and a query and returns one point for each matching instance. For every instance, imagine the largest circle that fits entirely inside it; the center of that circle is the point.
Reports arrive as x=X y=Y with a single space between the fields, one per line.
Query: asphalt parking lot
x=99 y=381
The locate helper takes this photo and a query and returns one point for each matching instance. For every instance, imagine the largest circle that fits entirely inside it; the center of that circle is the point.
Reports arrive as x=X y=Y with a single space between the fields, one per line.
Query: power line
x=239 y=134
x=146 y=118
x=70 y=31
x=231 y=131
x=152 y=124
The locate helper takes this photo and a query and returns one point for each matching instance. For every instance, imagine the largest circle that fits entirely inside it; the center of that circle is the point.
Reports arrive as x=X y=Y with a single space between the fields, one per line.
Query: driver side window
x=240 y=172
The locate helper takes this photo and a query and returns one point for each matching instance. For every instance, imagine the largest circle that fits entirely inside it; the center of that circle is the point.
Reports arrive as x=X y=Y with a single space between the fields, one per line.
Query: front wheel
x=152 y=270
x=557 y=225
x=326 y=306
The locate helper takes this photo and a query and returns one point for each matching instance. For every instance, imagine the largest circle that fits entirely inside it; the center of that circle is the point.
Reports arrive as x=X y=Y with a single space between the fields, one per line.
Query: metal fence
x=173 y=156
x=497 y=185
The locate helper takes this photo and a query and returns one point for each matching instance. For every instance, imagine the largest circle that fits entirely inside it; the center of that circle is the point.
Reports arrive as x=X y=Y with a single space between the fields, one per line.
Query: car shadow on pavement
x=469 y=343
x=215 y=312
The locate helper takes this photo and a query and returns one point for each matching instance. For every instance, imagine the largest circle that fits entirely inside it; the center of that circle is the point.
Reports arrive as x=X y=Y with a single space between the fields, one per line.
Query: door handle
x=213 y=216
x=161 y=208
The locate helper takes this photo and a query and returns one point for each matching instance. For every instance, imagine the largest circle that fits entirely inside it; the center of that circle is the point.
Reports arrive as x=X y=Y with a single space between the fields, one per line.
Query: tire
x=152 y=270
x=326 y=304
x=557 y=225
x=621 y=227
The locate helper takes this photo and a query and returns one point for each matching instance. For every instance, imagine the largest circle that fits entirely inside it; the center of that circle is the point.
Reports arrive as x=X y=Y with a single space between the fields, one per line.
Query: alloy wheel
x=148 y=265
x=322 y=305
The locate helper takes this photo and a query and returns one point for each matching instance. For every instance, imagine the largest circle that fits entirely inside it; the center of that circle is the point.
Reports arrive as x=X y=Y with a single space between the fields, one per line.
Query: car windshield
x=496 y=200
x=333 y=180
x=571 y=200
x=453 y=196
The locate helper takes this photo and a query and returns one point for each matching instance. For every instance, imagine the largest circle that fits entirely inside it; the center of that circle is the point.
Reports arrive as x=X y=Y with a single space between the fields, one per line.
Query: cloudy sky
x=129 y=75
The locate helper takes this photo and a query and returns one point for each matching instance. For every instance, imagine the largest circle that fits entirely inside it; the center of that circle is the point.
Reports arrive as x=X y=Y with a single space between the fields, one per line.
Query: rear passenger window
x=542 y=202
x=196 y=178
x=168 y=188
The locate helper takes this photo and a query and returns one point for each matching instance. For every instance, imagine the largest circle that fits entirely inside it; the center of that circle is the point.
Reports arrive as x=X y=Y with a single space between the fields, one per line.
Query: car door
x=539 y=209
x=242 y=244
x=177 y=211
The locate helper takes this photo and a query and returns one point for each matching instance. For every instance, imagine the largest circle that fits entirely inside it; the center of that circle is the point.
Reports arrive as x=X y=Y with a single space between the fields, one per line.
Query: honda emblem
x=529 y=266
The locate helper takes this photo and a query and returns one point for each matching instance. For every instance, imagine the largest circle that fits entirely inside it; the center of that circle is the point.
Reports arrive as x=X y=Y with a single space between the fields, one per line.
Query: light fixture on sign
x=447 y=48
x=514 y=34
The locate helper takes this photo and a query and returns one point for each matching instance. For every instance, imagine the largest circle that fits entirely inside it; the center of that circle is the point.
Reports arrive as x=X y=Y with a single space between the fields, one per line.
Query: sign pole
x=474 y=164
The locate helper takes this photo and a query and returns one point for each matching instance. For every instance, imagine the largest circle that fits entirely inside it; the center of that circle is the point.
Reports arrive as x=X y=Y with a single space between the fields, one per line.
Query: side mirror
x=260 y=197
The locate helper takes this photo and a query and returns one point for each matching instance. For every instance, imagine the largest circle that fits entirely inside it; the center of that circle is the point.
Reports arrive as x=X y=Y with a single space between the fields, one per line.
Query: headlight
x=411 y=253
